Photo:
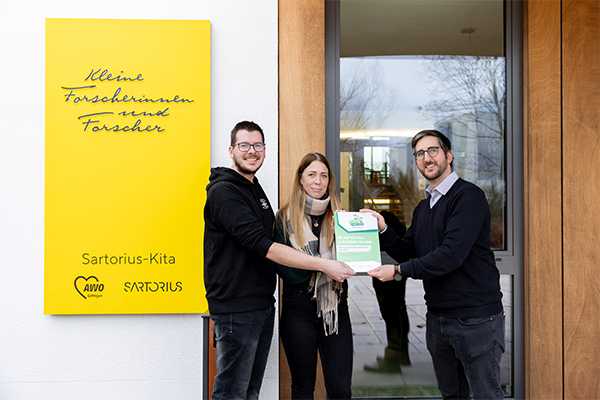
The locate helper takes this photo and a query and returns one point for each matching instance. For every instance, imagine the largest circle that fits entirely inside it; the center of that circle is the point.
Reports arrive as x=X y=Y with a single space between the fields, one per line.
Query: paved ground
x=418 y=379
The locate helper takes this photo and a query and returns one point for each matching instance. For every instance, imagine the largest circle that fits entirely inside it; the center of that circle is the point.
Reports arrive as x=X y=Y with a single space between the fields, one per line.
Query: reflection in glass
x=406 y=66
x=418 y=379
x=462 y=96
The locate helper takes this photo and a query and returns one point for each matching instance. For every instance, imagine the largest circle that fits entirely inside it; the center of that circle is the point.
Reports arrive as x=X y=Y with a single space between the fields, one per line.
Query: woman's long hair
x=296 y=203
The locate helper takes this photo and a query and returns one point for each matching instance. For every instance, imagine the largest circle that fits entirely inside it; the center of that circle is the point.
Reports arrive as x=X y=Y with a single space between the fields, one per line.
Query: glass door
x=405 y=66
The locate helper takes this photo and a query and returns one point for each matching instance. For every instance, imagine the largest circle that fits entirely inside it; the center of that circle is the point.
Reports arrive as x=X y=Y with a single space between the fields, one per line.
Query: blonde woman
x=314 y=307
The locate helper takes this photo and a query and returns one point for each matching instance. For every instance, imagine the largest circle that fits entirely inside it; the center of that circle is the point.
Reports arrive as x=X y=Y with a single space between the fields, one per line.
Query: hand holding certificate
x=357 y=240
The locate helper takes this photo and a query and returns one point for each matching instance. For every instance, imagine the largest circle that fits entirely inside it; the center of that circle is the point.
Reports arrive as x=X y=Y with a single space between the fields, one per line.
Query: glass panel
x=461 y=96
x=418 y=379
x=406 y=66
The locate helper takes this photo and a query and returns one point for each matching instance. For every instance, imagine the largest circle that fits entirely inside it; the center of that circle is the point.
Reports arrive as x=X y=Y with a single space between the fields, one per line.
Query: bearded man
x=239 y=269
x=448 y=246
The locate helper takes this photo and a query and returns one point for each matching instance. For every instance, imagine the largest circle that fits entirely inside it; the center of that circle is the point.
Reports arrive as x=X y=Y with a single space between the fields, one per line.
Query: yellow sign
x=127 y=163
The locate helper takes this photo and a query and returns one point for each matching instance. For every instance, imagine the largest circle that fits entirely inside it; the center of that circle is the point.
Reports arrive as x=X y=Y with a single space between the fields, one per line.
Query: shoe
x=384 y=365
x=403 y=358
x=395 y=355
x=403 y=353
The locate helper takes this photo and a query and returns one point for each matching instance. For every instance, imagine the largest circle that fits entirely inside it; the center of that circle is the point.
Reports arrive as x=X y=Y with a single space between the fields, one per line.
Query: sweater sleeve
x=465 y=216
x=237 y=218
x=291 y=275
x=400 y=249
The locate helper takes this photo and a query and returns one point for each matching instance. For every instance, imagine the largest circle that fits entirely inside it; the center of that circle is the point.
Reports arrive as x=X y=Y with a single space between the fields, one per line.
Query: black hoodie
x=238 y=232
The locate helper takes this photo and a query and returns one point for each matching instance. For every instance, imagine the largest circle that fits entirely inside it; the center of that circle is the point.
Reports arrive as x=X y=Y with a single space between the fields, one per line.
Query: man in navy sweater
x=448 y=246
x=239 y=274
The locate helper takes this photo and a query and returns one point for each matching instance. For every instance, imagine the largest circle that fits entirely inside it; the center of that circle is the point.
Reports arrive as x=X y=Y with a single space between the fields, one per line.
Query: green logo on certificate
x=357 y=221
x=357 y=240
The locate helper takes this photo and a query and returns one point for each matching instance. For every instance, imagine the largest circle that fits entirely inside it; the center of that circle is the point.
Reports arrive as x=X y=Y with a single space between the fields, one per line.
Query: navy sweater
x=449 y=248
x=238 y=233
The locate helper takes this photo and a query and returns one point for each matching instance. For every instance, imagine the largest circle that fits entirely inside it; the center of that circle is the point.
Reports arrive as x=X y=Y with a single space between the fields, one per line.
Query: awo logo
x=88 y=287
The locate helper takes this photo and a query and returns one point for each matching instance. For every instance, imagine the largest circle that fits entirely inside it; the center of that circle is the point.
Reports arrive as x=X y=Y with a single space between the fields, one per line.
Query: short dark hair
x=442 y=139
x=246 y=126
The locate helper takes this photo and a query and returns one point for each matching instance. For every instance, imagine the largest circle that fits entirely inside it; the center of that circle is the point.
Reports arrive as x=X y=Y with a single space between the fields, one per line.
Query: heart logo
x=83 y=283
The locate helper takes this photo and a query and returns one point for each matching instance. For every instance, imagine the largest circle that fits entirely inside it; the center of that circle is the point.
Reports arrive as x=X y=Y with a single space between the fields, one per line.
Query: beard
x=238 y=162
x=431 y=176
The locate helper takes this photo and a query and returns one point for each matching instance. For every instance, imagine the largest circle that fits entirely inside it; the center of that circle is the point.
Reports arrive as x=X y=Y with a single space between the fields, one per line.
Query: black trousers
x=302 y=335
x=392 y=305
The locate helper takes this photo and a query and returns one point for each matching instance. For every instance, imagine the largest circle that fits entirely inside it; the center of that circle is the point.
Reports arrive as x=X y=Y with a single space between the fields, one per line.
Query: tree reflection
x=365 y=100
x=468 y=101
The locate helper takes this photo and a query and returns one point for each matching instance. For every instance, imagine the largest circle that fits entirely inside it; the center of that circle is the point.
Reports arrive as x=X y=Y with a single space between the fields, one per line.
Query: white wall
x=112 y=356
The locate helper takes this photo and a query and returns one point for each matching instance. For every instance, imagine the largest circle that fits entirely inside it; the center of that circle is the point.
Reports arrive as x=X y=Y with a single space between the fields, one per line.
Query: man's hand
x=384 y=273
x=381 y=225
x=337 y=270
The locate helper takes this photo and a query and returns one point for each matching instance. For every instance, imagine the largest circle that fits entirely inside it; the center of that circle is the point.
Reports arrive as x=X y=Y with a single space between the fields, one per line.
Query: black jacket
x=238 y=233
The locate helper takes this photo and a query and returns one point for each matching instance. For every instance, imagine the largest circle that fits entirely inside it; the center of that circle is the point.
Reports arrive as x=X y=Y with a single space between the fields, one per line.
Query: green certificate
x=357 y=240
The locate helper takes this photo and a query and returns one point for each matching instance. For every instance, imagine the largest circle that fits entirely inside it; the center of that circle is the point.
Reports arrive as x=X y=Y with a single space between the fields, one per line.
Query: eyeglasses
x=432 y=151
x=244 y=147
